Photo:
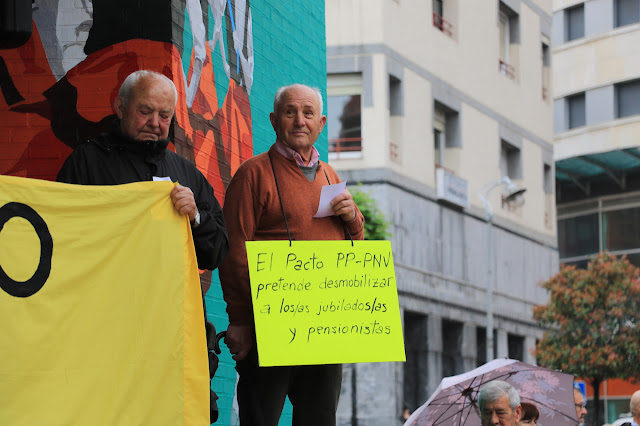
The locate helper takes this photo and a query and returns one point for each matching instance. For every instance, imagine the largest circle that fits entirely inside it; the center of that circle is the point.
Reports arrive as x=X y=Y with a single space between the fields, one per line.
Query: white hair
x=132 y=79
x=494 y=390
x=278 y=97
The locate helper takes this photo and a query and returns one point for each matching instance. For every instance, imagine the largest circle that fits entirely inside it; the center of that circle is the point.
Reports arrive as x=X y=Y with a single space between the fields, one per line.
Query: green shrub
x=376 y=225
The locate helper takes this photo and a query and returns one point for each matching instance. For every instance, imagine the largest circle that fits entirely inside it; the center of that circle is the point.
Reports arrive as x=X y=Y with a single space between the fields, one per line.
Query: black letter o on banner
x=39 y=278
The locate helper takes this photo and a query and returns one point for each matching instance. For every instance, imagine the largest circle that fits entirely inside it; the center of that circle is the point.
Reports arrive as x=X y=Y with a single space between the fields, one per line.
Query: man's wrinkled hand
x=184 y=202
x=344 y=206
x=239 y=340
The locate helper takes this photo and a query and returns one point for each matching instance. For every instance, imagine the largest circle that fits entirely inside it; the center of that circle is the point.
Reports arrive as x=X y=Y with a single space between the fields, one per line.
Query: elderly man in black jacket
x=136 y=150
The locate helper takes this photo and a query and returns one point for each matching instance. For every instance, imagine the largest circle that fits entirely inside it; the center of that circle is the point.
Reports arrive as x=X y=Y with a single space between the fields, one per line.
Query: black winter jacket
x=113 y=159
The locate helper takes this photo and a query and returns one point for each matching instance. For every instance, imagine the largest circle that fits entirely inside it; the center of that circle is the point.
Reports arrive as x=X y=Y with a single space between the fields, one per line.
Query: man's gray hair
x=494 y=390
x=278 y=97
x=132 y=79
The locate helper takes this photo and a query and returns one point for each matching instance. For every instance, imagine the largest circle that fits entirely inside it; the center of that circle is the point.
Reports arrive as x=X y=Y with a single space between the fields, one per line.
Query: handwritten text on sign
x=324 y=302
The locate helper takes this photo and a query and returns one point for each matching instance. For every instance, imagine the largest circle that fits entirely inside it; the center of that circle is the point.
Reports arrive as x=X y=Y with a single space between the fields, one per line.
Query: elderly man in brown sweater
x=273 y=196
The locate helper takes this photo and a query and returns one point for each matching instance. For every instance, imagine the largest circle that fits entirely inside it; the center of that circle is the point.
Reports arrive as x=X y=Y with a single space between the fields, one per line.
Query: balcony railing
x=507 y=69
x=442 y=24
x=345 y=146
x=394 y=152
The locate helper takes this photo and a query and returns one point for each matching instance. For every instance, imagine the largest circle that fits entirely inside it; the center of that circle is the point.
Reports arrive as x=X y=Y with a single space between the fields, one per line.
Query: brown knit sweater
x=252 y=212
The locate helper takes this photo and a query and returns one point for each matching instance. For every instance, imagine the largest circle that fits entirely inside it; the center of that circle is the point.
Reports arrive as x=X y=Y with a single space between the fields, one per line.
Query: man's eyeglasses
x=581 y=406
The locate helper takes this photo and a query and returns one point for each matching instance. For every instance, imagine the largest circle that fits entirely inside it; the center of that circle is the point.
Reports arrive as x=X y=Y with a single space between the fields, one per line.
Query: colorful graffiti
x=58 y=88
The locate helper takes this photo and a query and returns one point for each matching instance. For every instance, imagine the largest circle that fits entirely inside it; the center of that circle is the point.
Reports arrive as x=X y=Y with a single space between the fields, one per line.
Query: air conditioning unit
x=451 y=188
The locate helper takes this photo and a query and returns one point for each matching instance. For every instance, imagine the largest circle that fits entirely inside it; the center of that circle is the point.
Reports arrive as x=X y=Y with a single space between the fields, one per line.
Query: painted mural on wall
x=58 y=88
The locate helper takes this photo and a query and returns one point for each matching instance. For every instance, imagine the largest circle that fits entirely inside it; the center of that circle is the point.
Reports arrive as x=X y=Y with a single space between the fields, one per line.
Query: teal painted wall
x=289 y=47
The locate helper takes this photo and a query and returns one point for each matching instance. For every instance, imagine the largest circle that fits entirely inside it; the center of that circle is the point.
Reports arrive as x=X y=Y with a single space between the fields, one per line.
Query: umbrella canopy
x=455 y=401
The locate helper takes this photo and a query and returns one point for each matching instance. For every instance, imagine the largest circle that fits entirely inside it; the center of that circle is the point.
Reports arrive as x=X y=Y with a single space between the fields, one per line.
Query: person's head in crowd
x=530 y=414
x=581 y=405
x=634 y=406
x=499 y=404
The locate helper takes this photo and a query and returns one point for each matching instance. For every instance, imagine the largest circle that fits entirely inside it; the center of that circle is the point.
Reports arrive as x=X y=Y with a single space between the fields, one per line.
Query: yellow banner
x=324 y=302
x=100 y=307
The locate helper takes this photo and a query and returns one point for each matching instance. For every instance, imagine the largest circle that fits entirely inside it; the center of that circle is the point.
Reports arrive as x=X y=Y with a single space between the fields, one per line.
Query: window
x=578 y=236
x=395 y=119
x=574 y=22
x=516 y=347
x=547 y=186
x=576 y=111
x=606 y=226
x=627 y=98
x=547 y=179
x=452 y=362
x=626 y=12
x=395 y=96
x=445 y=133
x=344 y=115
x=438 y=18
x=437 y=7
x=439 y=135
x=504 y=37
x=415 y=368
x=620 y=229
x=546 y=69
x=634 y=258
x=510 y=160
x=509 y=34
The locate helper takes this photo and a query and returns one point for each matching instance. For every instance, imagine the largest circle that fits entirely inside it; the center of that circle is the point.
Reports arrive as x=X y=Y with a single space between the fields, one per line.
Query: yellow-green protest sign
x=324 y=302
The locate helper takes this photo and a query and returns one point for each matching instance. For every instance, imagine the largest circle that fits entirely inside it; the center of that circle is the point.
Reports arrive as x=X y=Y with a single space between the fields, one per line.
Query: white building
x=596 y=53
x=429 y=103
x=596 y=74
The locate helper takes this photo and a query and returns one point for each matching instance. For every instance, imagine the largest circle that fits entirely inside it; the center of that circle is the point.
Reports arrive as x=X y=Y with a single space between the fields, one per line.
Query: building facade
x=596 y=75
x=430 y=105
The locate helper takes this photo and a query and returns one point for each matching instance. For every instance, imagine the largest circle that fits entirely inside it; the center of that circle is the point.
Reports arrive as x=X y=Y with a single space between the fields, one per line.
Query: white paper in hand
x=329 y=192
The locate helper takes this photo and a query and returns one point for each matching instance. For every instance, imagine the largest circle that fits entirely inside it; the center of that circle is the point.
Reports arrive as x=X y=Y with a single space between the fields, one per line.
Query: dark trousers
x=312 y=389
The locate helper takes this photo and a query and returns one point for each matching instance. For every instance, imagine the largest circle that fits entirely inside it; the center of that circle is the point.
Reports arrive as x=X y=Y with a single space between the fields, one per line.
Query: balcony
x=343 y=148
x=507 y=69
x=442 y=24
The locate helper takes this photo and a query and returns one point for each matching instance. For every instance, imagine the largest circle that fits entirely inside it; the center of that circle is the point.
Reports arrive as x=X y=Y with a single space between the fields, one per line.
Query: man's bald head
x=634 y=406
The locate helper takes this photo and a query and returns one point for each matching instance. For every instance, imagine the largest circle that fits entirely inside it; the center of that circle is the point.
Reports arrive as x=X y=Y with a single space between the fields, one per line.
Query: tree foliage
x=376 y=225
x=592 y=321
